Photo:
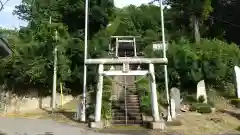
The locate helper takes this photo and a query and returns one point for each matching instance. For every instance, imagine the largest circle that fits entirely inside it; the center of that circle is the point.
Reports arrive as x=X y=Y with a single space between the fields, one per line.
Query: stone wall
x=30 y=102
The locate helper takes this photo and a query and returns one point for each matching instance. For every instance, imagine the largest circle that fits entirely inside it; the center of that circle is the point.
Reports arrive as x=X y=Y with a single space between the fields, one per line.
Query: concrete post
x=135 y=47
x=99 y=94
x=117 y=45
x=155 y=111
x=173 y=108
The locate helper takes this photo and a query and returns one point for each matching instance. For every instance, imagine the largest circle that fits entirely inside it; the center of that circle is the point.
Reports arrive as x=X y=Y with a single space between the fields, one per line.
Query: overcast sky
x=8 y=20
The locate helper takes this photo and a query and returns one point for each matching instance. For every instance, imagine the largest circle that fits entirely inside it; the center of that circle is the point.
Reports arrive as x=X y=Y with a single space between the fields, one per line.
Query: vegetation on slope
x=211 y=59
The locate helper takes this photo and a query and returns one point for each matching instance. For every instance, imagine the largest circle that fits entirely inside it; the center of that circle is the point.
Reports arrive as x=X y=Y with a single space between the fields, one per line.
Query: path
x=21 y=126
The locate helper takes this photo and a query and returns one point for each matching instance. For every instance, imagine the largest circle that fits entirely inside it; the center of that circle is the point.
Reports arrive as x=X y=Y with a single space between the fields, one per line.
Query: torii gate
x=125 y=61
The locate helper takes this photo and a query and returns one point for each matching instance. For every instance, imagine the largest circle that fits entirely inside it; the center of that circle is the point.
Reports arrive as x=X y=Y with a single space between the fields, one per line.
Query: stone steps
x=121 y=117
x=134 y=117
x=130 y=122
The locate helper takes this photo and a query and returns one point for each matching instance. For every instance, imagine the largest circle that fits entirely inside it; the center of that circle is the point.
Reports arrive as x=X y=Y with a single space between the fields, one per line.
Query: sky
x=10 y=21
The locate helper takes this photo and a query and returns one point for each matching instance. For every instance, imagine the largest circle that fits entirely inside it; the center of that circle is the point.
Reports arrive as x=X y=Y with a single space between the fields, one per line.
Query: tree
x=195 y=11
x=71 y=13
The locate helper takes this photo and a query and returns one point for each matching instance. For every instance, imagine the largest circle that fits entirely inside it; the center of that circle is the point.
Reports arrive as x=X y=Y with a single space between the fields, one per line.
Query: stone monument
x=175 y=94
x=201 y=90
x=237 y=76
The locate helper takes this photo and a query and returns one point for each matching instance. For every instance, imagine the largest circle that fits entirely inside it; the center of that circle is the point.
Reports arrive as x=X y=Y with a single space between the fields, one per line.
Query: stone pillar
x=98 y=123
x=153 y=89
x=173 y=108
x=157 y=122
x=99 y=94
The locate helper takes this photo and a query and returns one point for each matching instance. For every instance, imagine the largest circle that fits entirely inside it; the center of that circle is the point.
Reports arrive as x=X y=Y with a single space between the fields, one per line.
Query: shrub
x=229 y=90
x=201 y=99
x=201 y=108
x=204 y=109
x=146 y=105
x=238 y=128
x=193 y=108
x=212 y=60
x=235 y=102
x=191 y=98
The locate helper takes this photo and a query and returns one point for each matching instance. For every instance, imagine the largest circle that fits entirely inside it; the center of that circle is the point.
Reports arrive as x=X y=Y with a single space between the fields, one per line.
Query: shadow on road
x=61 y=113
x=233 y=113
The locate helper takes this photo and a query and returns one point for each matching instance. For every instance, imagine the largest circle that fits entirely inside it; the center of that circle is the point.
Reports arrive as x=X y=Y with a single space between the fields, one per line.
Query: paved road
x=21 y=126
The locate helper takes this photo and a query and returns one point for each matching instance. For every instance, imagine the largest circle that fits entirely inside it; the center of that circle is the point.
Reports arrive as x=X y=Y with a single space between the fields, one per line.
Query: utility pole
x=169 y=117
x=83 y=111
x=54 y=90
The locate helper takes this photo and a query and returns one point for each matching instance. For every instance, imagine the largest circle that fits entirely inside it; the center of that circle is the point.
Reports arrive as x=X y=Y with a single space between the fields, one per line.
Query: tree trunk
x=196 y=31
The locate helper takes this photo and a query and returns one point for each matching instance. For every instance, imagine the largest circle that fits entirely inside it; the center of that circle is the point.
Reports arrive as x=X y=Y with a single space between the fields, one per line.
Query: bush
x=238 y=128
x=235 y=102
x=212 y=60
x=201 y=108
x=191 y=98
x=229 y=90
x=146 y=105
x=193 y=108
x=201 y=99
x=204 y=109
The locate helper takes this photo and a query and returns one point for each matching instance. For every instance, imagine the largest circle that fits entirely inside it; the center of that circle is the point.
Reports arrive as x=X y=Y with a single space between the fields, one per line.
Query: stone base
x=97 y=125
x=158 y=125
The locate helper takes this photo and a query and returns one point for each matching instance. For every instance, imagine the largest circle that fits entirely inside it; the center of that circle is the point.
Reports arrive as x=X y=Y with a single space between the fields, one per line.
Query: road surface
x=22 y=126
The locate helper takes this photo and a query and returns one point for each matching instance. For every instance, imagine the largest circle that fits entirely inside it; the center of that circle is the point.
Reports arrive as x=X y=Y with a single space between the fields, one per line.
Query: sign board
x=159 y=46
x=125 y=67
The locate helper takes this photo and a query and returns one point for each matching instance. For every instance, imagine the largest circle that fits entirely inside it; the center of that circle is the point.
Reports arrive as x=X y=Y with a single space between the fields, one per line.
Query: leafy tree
x=193 y=10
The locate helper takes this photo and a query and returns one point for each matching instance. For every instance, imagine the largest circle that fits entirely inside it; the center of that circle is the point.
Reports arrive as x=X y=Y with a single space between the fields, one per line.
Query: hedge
x=201 y=108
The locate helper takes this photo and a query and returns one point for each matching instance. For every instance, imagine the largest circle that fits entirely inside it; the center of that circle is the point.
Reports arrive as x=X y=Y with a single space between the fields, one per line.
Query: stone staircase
x=129 y=114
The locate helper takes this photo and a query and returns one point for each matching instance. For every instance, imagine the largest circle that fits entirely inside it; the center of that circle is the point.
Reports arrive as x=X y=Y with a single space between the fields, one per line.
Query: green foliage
x=212 y=60
x=32 y=60
x=238 y=128
x=201 y=99
x=145 y=106
x=204 y=109
x=235 y=102
x=229 y=91
x=191 y=99
x=144 y=92
x=201 y=108
x=106 y=99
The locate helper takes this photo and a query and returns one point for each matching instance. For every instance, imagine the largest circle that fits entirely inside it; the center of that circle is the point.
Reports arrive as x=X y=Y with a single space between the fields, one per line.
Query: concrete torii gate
x=125 y=61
